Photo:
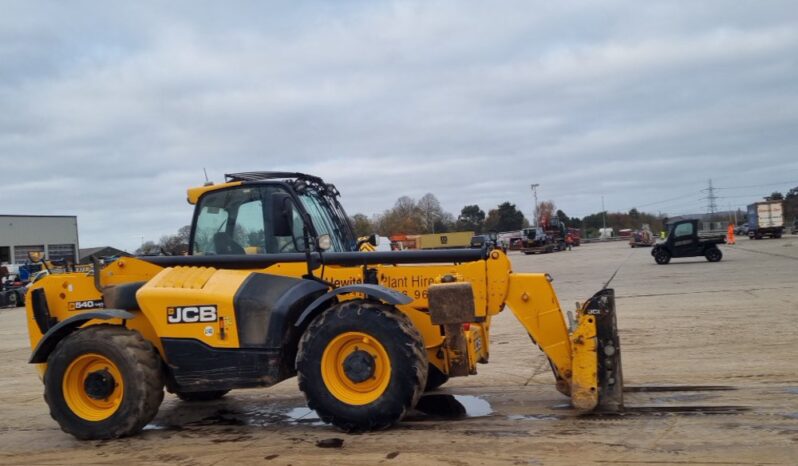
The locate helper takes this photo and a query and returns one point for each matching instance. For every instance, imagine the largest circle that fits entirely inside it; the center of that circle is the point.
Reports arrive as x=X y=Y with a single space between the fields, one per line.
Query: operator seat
x=225 y=244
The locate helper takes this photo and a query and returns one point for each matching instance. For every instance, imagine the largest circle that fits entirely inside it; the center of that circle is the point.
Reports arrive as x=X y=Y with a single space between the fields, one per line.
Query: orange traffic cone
x=730 y=234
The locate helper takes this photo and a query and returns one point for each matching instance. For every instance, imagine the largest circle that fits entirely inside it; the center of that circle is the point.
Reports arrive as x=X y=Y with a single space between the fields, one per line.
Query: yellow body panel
x=63 y=292
x=193 y=286
x=195 y=193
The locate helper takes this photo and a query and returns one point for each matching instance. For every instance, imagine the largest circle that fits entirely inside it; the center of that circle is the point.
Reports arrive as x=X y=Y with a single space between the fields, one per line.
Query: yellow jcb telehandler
x=275 y=286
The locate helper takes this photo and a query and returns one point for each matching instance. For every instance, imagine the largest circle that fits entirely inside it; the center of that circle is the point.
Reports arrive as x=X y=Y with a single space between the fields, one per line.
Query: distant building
x=103 y=251
x=54 y=235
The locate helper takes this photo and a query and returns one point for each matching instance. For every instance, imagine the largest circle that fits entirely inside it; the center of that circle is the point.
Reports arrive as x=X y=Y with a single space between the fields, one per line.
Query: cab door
x=685 y=239
x=244 y=220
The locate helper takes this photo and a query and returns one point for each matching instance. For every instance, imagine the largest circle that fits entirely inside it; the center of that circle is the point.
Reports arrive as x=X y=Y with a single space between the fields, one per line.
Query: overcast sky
x=110 y=110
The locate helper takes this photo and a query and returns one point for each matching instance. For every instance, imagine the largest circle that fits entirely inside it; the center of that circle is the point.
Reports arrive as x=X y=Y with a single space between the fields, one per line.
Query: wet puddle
x=435 y=406
x=445 y=406
x=793 y=390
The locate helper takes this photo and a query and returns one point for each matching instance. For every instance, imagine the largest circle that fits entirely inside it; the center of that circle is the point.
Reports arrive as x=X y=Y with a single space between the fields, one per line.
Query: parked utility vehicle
x=684 y=240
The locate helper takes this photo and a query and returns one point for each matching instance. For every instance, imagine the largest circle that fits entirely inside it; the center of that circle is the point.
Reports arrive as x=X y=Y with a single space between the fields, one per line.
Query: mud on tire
x=403 y=344
x=136 y=361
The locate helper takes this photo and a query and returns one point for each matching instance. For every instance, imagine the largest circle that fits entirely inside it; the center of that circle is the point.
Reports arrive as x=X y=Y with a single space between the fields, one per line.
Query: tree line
x=425 y=215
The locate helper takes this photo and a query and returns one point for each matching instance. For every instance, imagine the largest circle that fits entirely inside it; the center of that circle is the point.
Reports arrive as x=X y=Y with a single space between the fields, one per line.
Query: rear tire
x=662 y=257
x=713 y=254
x=435 y=378
x=201 y=396
x=361 y=365
x=103 y=382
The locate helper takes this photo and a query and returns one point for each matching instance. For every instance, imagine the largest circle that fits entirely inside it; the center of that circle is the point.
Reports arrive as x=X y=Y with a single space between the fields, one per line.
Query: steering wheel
x=285 y=246
x=224 y=244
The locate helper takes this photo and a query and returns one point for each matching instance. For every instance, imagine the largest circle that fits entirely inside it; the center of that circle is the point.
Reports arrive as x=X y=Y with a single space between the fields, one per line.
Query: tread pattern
x=143 y=388
x=435 y=378
x=412 y=350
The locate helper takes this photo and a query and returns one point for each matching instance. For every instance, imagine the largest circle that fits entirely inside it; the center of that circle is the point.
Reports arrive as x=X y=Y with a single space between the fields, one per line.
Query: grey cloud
x=111 y=111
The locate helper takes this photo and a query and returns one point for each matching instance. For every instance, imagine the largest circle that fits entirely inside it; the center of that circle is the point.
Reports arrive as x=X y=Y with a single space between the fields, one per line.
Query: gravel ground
x=726 y=325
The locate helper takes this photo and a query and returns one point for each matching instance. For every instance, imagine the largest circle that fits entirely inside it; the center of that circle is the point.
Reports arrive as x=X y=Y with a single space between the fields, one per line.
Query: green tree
x=362 y=225
x=431 y=214
x=505 y=217
x=404 y=218
x=176 y=244
x=471 y=218
x=148 y=248
x=791 y=205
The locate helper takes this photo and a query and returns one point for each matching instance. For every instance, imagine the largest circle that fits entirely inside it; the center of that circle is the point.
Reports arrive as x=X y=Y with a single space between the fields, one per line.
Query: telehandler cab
x=274 y=286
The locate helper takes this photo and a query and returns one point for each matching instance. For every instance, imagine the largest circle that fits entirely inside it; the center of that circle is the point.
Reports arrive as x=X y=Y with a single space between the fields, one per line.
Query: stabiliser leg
x=608 y=351
x=587 y=361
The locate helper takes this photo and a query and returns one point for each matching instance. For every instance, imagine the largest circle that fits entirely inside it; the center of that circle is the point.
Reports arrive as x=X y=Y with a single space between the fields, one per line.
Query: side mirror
x=282 y=215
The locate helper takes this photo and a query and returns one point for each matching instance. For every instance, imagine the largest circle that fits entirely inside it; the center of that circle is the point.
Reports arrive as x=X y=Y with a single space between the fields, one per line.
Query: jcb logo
x=191 y=314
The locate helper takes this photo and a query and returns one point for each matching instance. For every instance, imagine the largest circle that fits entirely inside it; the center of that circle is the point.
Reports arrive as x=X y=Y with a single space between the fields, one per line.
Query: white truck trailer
x=765 y=219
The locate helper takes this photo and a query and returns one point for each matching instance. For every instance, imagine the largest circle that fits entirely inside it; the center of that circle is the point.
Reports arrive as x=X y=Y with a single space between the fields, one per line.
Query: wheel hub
x=359 y=366
x=99 y=385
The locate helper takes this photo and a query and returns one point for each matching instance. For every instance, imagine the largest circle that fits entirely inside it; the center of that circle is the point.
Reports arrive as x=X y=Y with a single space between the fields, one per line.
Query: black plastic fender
x=57 y=333
x=379 y=292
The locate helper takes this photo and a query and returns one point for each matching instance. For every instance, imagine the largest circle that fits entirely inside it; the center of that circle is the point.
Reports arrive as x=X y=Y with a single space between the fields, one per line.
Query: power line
x=669 y=200
x=712 y=205
x=759 y=185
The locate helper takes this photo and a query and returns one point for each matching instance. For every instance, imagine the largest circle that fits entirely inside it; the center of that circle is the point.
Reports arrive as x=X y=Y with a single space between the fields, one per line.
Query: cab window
x=685 y=229
x=240 y=221
x=323 y=221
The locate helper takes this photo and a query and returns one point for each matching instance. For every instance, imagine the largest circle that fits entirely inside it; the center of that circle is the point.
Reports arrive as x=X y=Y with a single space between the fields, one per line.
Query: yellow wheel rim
x=341 y=384
x=86 y=403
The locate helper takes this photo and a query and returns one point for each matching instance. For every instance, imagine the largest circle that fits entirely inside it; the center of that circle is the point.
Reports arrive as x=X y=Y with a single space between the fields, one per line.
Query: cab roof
x=235 y=179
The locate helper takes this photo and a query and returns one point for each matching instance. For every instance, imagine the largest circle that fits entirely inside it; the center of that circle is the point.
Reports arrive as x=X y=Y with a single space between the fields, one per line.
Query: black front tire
x=201 y=396
x=435 y=378
x=139 y=366
x=407 y=358
x=662 y=256
x=713 y=254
